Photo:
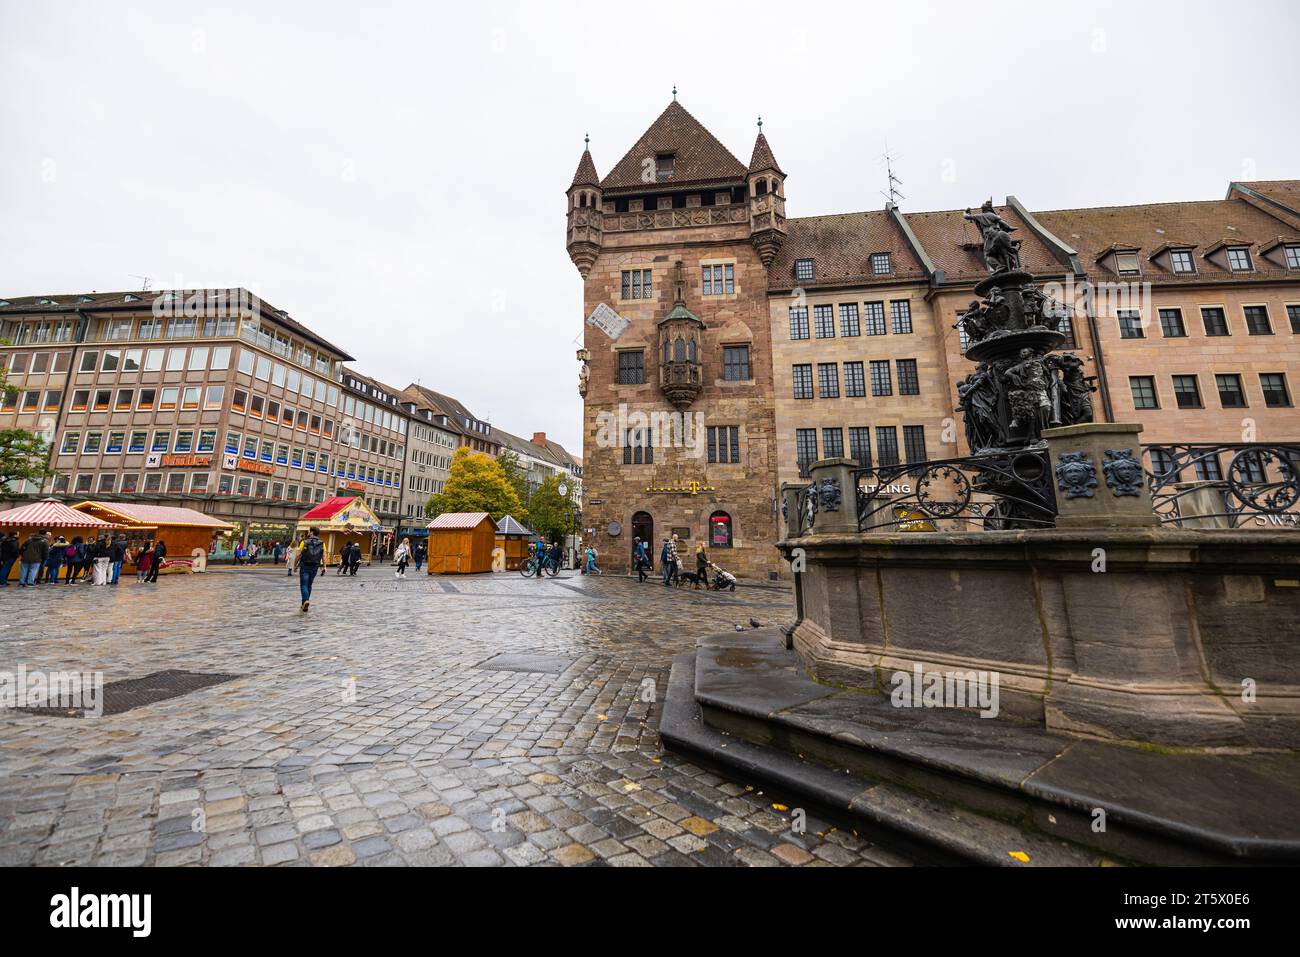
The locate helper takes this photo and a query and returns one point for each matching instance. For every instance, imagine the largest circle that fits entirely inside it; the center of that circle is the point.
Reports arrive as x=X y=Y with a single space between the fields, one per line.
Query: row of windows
x=1213 y=318
x=1187 y=391
x=735 y=362
x=1182 y=263
x=217 y=358
x=859 y=447
x=881 y=264
x=828 y=379
x=197 y=483
x=851 y=324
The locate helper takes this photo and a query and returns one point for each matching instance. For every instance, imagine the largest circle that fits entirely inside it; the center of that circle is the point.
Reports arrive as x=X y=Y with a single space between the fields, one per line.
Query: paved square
x=376 y=730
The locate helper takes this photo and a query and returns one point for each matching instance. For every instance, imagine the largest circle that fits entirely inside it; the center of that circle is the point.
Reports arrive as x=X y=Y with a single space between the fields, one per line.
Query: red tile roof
x=842 y=246
x=699 y=157
x=586 y=174
x=763 y=157
x=954 y=245
x=1205 y=225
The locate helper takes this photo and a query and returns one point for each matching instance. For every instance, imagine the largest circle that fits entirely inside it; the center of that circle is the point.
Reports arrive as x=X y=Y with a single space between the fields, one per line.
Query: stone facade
x=854 y=272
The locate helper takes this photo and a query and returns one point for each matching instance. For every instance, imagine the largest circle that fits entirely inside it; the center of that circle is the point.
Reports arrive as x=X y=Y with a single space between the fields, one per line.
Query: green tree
x=477 y=483
x=23 y=455
x=550 y=513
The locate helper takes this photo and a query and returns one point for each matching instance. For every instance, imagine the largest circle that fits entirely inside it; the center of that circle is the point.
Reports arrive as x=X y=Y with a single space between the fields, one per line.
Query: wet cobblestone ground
x=374 y=730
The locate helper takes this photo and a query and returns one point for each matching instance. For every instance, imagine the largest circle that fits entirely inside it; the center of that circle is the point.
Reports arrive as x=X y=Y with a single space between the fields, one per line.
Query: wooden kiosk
x=341 y=520
x=187 y=533
x=461 y=543
x=513 y=538
x=54 y=517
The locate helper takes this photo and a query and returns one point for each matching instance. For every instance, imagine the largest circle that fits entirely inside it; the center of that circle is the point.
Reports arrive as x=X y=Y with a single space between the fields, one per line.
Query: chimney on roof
x=539 y=438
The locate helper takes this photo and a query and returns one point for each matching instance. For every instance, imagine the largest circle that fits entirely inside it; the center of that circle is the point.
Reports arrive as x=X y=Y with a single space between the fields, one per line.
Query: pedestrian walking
x=311 y=554
x=277 y=552
x=10 y=549
x=641 y=555
x=592 y=568
x=291 y=560
x=159 y=559
x=419 y=554
x=701 y=563
x=670 y=559
x=33 y=555
x=403 y=556
x=54 y=560
x=355 y=563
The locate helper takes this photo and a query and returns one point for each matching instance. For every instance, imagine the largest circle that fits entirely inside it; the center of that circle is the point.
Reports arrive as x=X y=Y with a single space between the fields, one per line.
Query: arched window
x=691 y=350
x=761 y=186
x=668 y=351
x=679 y=350
x=719 y=530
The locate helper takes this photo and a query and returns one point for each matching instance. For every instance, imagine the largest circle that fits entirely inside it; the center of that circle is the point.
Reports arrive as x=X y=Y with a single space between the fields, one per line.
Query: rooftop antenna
x=144 y=280
x=893 y=195
x=674 y=92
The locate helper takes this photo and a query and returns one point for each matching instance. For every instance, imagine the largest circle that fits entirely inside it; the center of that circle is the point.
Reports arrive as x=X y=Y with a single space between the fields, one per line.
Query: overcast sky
x=392 y=175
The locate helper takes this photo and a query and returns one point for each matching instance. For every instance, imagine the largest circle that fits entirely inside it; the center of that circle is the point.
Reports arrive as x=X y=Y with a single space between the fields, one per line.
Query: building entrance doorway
x=643 y=527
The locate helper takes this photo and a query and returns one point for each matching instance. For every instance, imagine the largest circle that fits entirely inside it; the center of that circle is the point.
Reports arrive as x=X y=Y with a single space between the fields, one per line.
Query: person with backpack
x=155 y=566
x=72 y=556
x=403 y=556
x=10 y=547
x=311 y=555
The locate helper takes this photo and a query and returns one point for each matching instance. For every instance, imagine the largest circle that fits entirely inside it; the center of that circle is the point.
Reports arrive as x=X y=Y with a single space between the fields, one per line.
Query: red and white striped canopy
x=50 y=514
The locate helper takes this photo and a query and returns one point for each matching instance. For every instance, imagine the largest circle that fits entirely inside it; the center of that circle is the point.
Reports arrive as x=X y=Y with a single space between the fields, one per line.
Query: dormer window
x=664 y=166
x=805 y=270
x=880 y=264
x=1293 y=257
x=130 y=298
x=1180 y=260
x=1239 y=258
x=46 y=302
x=1126 y=263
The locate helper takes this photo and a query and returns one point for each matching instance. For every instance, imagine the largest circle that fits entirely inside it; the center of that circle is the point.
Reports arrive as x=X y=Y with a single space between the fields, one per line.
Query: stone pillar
x=1202 y=504
x=836 y=495
x=790 y=508
x=1097 y=471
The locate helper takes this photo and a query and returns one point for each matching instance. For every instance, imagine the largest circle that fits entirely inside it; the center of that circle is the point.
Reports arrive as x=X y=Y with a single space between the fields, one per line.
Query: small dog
x=694 y=578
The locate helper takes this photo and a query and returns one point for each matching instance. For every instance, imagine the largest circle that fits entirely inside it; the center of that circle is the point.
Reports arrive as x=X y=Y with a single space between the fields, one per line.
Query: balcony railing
x=1191 y=485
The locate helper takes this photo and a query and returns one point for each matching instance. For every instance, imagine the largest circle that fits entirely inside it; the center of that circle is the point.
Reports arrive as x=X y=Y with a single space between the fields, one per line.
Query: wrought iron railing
x=1190 y=487
x=990 y=492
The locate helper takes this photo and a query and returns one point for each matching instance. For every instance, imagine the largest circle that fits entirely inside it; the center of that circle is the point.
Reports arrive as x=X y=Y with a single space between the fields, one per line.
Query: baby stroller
x=722 y=579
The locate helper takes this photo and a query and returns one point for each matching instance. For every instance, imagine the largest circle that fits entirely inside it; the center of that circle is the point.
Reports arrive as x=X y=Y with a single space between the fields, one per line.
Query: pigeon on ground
x=754 y=624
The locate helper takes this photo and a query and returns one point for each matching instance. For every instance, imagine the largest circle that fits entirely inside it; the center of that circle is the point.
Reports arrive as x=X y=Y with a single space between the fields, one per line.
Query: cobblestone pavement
x=442 y=757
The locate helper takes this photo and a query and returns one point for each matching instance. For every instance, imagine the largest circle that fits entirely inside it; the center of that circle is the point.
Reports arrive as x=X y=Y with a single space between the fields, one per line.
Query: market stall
x=54 y=517
x=513 y=538
x=188 y=534
x=342 y=520
x=461 y=543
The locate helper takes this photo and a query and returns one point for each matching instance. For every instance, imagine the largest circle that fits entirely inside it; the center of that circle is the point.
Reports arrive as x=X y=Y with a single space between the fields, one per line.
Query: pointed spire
x=763 y=158
x=674 y=92
x=586 y=174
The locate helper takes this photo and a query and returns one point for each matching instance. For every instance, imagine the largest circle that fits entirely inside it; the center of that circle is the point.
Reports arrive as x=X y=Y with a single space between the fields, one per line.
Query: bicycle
x=528 y=567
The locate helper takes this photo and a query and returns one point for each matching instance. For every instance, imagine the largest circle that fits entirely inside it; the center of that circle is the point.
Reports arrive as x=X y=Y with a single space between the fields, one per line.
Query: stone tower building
x=679 y=435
